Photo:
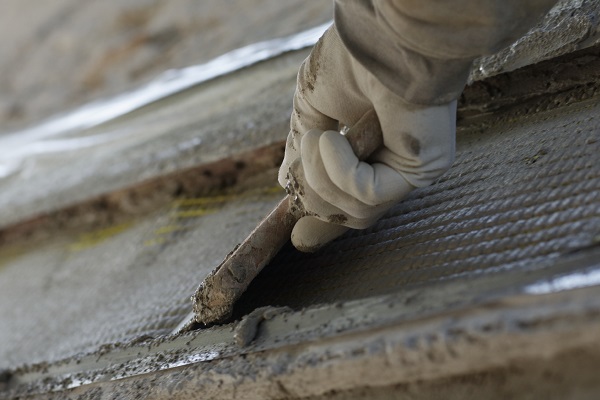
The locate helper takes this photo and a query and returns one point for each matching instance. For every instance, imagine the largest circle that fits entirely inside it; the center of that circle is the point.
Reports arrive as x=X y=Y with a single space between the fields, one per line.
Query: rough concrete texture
x=349 y=349
x=570 y=25
x=66 y=52
x=131 y=282
x=49 y=66
x=571 y=375
x=111 y=272
x=202 y=125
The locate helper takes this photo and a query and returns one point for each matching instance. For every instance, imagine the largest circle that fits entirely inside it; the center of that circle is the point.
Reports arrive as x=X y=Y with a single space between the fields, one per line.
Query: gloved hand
x=337 y=190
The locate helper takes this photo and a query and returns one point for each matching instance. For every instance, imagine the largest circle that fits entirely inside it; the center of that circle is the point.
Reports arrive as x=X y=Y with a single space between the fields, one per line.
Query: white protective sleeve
x=422 y=50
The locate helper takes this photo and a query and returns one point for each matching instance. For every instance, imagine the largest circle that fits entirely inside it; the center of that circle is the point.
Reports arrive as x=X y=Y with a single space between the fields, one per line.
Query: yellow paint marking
x=7 y=255
x=273 y=190
x=199 y=201
x=170 y=229
x=201 y=212
x=91 y=239
x=155 y=242
x=186 y=209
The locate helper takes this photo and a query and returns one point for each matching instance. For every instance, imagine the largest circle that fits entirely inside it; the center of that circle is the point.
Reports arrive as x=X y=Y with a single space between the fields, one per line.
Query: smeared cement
x=77 y=292
x=349 y=347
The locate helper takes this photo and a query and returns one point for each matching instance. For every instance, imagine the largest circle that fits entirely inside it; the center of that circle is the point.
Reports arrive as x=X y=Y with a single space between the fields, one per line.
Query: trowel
x=215 y=297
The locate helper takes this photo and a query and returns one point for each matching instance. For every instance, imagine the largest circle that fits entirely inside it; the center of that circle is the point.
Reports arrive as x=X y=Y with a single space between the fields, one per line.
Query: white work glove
x=336 y=189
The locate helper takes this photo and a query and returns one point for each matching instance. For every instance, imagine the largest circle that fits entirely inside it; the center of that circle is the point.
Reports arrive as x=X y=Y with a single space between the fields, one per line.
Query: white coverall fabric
x=409 y=61
x=422 y=50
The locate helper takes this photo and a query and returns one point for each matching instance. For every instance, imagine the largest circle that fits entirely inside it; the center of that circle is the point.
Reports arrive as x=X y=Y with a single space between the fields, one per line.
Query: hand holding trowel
x=412 y=73
x=331 y=189
x=214 y=299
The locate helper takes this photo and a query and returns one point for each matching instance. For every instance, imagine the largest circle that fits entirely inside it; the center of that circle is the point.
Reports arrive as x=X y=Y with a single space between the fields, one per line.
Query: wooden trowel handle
x=365 y=136
x=216 y=295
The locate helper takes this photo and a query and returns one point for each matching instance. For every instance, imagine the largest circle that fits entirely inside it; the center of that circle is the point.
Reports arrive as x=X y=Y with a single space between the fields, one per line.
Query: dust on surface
x=570 y=375
x=311 y=72
x=338 y=219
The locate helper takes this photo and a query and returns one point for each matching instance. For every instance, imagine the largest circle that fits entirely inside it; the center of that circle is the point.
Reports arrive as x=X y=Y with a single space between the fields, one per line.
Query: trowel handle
x=214 y=299
x=365 y=136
